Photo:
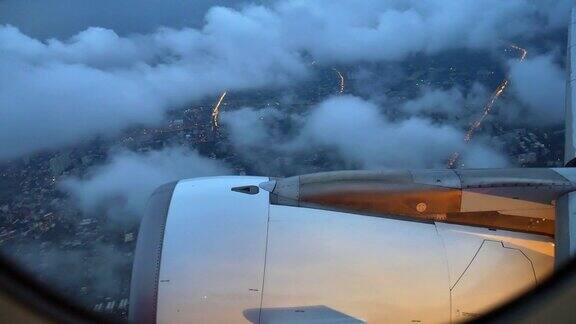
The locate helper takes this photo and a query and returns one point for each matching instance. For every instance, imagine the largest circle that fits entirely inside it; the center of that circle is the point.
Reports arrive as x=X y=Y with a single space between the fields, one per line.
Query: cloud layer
x=361 y=135
x=540 y=84
x=122 y=185
x=59 y=92
x=97 y=83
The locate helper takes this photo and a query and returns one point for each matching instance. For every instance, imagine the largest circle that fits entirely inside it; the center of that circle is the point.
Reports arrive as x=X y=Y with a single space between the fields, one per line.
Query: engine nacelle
x=215 y=250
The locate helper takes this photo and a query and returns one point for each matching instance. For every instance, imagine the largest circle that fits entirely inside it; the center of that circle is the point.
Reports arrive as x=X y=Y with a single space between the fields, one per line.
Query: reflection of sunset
x=443 y=205
x=488 y=198
x=356 y=264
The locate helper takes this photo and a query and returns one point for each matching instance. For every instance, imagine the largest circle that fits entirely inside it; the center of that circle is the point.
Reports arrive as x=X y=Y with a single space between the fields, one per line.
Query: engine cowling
x=216 y=250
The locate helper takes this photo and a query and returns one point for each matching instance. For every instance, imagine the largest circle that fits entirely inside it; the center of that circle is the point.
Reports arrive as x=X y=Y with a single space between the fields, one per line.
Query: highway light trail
x=342 y=81
x=216 y=110
x=486 y=110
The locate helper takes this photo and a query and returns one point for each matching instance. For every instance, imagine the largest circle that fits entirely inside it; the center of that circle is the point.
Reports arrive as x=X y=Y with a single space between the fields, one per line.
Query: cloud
x=539 y=84
x=58 y=92
x=122 y=185
x=45 y=107
x=252 y=127
x=447 y=102
x=97 y=83
x=456 y=106
x=259 y=137
x=359 y=132
x=360 y=135
x=378 y=30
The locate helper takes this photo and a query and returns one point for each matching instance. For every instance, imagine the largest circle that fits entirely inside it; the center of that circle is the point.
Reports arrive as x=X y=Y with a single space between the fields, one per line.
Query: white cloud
x=125 y=182
x=362 y=137
x=98 y=82
x=436 y=101
x=540 y=84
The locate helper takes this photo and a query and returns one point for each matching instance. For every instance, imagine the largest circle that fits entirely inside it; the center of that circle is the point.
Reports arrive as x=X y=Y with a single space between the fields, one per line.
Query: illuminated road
x=342 y=81
x=523 y=51
x=216 y=110
x=486 y=110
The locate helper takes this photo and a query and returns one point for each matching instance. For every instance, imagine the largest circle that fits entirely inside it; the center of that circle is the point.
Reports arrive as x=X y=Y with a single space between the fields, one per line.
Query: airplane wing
x=512 y=199
x=211 y=249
